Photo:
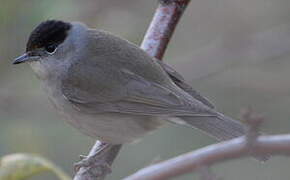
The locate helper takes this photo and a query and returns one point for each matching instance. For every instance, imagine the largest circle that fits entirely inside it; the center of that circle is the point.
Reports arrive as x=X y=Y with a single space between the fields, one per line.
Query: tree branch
x=154 y=43
x=162 y=26
x=232 y=149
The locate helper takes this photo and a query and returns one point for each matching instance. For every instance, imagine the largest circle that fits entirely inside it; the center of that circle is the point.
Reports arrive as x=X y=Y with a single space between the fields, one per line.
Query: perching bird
x=112 y=90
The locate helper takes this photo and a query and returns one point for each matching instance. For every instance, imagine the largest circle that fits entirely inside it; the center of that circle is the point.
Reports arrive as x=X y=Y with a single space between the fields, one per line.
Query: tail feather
x=219 y=127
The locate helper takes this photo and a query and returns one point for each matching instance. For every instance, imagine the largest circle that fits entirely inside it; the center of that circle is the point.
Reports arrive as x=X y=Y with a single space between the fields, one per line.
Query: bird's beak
x=24 y=58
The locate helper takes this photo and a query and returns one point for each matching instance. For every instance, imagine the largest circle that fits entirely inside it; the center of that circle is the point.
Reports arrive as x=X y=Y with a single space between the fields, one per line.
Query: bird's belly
x=113 y=128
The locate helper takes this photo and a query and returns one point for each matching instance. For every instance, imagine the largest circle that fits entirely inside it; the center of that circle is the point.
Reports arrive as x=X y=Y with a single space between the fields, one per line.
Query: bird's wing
x=127 y=92
x=124 y=78
x=179 y=81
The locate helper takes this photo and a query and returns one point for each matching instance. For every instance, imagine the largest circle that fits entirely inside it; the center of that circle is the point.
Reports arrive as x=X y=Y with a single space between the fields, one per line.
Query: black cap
x=47 y=33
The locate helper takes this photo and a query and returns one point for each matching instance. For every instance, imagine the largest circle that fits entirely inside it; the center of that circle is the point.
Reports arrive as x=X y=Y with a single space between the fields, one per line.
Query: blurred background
x=235 y=52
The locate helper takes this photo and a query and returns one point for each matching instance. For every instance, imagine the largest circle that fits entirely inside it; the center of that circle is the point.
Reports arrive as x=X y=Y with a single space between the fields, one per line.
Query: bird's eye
x=50 y=48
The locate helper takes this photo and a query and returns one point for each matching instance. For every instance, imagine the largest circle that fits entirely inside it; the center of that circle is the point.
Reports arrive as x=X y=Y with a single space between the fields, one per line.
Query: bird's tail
x=219 y=127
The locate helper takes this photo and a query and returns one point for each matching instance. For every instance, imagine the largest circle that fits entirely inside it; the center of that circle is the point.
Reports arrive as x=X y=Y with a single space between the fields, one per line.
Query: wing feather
x=139 y=96
x=179 y=81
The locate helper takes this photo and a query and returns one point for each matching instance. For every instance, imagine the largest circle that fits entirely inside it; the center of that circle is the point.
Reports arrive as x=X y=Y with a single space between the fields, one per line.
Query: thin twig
x=253 y=121
x=155 y=42
x=232 y=149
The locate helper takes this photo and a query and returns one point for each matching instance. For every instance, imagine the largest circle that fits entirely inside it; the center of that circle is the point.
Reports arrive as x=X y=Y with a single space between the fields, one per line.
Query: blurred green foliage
x=234 y=52
x=24 y=166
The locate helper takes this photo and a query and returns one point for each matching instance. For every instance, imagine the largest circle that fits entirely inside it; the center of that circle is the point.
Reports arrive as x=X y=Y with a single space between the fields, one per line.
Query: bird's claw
x=95 y=161
x=97 y=167
x=83 y=157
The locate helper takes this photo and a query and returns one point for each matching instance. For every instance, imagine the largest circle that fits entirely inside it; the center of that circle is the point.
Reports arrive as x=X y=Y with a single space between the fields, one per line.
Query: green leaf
x=23 y=166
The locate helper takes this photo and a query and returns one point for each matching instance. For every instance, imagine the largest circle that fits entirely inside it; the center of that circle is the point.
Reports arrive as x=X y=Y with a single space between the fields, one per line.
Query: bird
x=111 y=90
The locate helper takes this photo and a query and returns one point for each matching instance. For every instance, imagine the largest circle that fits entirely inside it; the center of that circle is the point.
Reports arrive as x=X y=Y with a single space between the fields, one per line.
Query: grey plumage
x=110 y=89
x=139 y=85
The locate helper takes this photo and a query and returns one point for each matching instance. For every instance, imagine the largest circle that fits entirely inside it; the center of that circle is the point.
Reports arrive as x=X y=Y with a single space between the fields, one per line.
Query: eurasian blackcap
x=112 y=90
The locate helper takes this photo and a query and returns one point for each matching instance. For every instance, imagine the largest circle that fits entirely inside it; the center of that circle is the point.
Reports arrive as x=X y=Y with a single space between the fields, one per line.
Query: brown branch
x=155 y=42
x=232 y=149
x=162 y=26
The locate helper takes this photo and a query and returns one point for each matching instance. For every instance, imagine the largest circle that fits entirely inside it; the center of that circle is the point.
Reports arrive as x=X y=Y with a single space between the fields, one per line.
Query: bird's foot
x=95 y=162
